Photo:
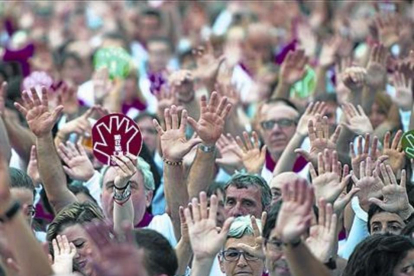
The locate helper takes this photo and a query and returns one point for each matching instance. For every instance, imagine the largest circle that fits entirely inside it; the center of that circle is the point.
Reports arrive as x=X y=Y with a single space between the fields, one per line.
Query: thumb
x=57 y=113
x=247 y=248
x=226 y=227
x=350 y=195
x=303 y=153
x=263 y=151
x=377 y=202
x=67 y=170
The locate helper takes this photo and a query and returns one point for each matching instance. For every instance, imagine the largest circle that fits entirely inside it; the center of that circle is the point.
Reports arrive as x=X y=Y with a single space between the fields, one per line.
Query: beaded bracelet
x=173 y=163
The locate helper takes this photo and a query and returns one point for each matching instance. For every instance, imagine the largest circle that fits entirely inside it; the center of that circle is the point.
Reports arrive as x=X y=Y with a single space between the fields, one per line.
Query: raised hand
x=210 y=125
x=125 y=169
x=354 y=78
x=319 y=139
x=207 y=65
x=36 y=111
x=395 y=198
x=174 y=144
x=328 y=183
x=396 y=156
x=166 y=98
x=403 y=91
x=231 y=154
x=328 y=53
x=230 y=92
x=80 y=125
x=307 y=39
x=293 y=67
x=63 y=252
x=78 y=165
x=369 y=182
x=376 y=71
x=322 y=236
x=32 y=167
x=253 y=157
x=295 y=215
x=357 y=121
x=363 y=151
x=67 y=96
x=257 y=250
x=183 y=84
x=388 y=28
x=206 y=240
x=313 y=109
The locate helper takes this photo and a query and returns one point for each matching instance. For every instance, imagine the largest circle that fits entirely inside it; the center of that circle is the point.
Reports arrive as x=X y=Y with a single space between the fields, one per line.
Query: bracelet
x=173 y=163
x=11 y=212
x=123 y=188
x=122 y=198
x=205 y=148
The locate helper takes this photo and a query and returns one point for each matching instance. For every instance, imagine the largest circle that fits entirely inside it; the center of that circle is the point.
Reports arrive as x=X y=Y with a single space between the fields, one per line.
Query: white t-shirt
x=163 y=225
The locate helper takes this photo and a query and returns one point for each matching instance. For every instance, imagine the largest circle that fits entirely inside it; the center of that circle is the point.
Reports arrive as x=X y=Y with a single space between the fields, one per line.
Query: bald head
x=278 y=181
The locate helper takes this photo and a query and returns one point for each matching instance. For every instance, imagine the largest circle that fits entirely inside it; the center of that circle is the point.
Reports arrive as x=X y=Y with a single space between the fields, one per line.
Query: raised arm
x=41 y=122
x=175 y=146
x=209 y=128
x=28 y=253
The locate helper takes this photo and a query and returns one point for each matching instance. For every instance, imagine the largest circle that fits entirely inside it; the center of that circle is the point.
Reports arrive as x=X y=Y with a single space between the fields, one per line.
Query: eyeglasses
x=282 y=123
x=407 y=269
x=234 y=255
x=276 y=245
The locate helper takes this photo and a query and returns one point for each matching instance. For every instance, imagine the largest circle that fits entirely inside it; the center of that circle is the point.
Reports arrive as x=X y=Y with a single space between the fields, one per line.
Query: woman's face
x=79 y=237
x=376 y=116
x=406 y=266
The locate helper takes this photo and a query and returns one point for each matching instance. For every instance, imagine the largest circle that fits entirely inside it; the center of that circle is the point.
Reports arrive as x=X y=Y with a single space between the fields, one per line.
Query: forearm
x=320 y=87
x=27 y=251
x=123 y=213
x=176 y=194
x=52 y=175
x=201 y=173
x=201 y=267
x=21 y=139
x=368 y=98
x=288 y=157
x=282 y=91
x=302 y=263
x=184 y=254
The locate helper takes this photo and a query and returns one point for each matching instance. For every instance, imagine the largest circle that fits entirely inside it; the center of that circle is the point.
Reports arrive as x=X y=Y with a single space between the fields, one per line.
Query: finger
x=256 y=230
x=72 y=148
x=21 y=109
x=367 y=143
x=168 y=119
x=322 y=208
x=335 y=136
x=311 y=131
x=327 y=161
x=212 y=105
x=378 y=202
x=321 y=164
x=325 y=126
x=174 y=117
x=196 y=210
x=247 y=141
x=203 y=205
x=385 y=176
x=403 y=181
x=396 y=139
x=35 y=97
x=45 y=100
x=391 y=174
x=255 y=140
x=374 y=148
x=188 y=217
x=304 y=154
x=157 y=126
x=184 y=119
x=312 y=171
x=55 y=247
x=241 y=144
x=222 y=105
x=319 y=128
x=213 y=207
x=351 y=150
x=359 y=145
x=387 y=140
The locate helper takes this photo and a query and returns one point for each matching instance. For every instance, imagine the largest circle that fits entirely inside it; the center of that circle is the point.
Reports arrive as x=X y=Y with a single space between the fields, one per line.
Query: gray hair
x=242 y=226
x=246 y=180
x=144 y=168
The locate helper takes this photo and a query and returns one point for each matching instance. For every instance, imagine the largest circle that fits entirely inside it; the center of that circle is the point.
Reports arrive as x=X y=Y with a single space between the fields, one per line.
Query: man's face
x=149 y=27
x=243 y=202
x=275 y=260
x=331 y=114
x=149 y=133
x=140 y=199
x=405 y=267
x=233 y=265
x=277 y=126
x=73 y=72
x=386 y=222
x=158 y=55
x=25 y=198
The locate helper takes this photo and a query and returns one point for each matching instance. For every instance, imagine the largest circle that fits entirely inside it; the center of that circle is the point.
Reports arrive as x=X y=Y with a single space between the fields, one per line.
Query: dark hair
x=159 y=255
x=373 y=209
x=246 y=180
x=151 y=12
x=212 y=189
x=77 y=187
x=378 y=255
x=271 y=220
x=19 y=179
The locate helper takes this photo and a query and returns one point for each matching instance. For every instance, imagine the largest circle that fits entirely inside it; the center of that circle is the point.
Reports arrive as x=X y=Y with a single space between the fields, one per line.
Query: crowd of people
x=272 y=138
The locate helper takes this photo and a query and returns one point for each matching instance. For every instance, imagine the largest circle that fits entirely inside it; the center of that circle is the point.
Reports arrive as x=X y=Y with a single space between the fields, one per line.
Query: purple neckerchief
x=145 y=221
x=291 y=46
x=300 y=163
x=157 y=80
x=21 y=56
x=136 y=103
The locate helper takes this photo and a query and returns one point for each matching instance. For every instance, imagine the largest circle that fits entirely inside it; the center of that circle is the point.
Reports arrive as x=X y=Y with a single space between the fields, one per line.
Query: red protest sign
x=115 y=134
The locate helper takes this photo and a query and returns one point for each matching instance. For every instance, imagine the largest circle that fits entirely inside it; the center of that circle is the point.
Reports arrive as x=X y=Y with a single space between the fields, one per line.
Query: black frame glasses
x=282 y=123
x=233 y=255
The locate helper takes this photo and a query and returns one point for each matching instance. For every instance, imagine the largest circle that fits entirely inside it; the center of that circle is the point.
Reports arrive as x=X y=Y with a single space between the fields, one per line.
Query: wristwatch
x=205 y=148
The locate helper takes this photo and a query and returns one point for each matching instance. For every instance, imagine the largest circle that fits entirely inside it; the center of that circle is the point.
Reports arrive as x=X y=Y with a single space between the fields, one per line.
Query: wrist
x=88 y=175
x=207 y=147
x=405 y=214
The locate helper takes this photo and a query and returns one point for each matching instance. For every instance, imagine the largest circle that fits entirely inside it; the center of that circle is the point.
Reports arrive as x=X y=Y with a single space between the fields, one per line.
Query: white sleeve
x=94 y=187
x=163 y=225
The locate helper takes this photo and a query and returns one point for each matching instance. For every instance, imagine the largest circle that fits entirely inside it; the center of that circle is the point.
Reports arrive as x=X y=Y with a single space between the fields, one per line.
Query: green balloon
x=408 y=143
x=116 y=59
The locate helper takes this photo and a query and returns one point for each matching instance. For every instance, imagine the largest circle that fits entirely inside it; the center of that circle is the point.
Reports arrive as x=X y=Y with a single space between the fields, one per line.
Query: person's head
x=22 y=190
x=69 y=222
x=331 y=104
x=278 y=181
x=148 y=131
x=233 y=259
x=149 y=24
x=159 y=256
x=142 y=187
x=278 y=119
x=71 y=68
x=382 y=255
x=81 y=192
x=217 y=188
x=159 y=53
x=259 y=40
x=246 y=194
x=275 y=260
x=380 y=108
x=381 y=221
